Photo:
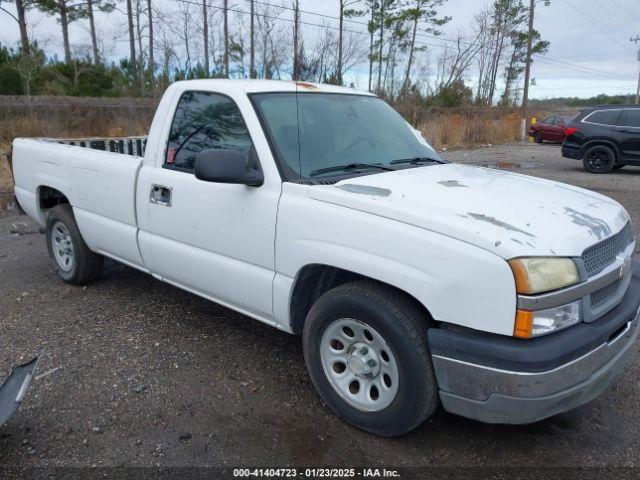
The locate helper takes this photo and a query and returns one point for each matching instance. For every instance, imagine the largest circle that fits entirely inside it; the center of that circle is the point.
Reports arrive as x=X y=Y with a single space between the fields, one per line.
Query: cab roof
x=264 y=86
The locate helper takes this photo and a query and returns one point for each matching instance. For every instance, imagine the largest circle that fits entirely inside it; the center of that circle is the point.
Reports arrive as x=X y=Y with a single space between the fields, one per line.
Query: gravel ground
x=139 y=373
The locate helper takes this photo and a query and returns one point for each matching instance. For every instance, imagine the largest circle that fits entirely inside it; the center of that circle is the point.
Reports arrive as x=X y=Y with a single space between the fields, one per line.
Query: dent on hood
x=595 y=226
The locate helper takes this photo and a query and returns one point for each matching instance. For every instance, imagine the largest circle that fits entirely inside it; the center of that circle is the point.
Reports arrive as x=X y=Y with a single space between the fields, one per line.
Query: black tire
x=85 y=265
x=537 y=138
x=599 y=159
x=403 y=327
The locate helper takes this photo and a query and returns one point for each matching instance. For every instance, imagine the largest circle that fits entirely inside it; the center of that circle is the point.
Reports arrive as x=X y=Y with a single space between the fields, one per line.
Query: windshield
x=325 y=130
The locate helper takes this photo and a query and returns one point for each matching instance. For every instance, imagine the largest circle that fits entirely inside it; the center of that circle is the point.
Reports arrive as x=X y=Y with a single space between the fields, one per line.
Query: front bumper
x=504 y=380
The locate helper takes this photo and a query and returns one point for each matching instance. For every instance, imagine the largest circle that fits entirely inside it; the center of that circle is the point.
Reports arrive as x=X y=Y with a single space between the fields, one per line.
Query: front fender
x=457 y=282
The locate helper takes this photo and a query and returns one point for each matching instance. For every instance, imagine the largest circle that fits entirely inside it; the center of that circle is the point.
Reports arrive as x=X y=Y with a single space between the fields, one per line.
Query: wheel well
x=315 y=280
x=603 y=143
x=50 y=197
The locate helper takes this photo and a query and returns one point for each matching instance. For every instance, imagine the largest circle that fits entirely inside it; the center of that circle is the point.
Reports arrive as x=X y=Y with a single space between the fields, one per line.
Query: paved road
x=137 y=372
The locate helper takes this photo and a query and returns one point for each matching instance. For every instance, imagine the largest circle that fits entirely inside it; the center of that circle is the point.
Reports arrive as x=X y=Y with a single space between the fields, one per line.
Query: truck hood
x=507 y=213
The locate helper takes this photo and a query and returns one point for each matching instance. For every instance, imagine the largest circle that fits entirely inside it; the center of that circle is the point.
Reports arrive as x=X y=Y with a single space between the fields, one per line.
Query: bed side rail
x=134 y=146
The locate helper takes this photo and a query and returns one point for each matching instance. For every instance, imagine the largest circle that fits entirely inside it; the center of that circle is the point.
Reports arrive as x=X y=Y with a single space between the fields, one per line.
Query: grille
x=605 y=293
x=602 y=254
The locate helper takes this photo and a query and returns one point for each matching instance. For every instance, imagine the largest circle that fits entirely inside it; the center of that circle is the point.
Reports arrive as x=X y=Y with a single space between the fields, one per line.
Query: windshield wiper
x=416 y=160
x=347 y=167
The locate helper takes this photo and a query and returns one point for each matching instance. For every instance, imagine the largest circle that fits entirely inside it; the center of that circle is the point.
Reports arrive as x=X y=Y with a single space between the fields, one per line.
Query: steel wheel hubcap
x=359 y=364
x=62 y=246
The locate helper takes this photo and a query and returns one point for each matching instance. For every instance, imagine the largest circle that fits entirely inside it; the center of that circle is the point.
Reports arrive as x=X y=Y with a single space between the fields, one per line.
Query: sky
x=590 y=52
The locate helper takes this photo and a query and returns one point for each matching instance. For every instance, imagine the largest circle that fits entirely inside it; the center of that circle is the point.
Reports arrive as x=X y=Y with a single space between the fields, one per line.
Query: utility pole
x=205 y=36
x=527 y=74
x=636 y=40
x=527 y=69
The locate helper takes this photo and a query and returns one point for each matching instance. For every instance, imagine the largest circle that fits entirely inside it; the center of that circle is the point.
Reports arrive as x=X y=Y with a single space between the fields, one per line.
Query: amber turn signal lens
x=524 y=324
x=521 y=276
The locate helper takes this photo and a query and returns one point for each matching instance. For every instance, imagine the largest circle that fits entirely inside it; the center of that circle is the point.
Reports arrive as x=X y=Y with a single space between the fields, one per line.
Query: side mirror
x=226 y=166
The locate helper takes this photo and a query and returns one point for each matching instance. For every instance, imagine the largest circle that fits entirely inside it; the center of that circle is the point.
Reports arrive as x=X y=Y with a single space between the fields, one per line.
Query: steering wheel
x=358 y=140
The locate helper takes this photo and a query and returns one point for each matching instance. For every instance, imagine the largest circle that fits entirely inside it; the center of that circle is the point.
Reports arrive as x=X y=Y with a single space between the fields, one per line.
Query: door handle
x=160 y=195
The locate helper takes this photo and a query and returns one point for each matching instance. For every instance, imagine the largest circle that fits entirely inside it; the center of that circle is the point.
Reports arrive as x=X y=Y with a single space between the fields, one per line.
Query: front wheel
x=537 y=138
x=365 y=347
x=599 y=159
x=74 y=262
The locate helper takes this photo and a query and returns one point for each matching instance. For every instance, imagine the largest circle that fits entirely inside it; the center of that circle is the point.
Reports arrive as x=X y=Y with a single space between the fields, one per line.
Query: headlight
x=543 y=274
x=533 y=324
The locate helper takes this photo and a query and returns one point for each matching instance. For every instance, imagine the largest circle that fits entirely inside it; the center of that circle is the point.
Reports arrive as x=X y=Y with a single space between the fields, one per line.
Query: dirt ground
x=138 y=373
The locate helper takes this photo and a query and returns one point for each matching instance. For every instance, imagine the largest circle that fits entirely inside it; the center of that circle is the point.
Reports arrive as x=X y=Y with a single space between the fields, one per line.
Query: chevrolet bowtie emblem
x=625 y=268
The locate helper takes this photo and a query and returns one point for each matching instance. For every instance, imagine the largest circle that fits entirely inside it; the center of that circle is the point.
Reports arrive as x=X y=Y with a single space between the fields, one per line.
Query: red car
x=550 y=129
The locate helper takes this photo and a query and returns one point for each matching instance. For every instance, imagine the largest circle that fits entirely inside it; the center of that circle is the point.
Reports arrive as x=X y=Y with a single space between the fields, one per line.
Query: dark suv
x=604 y=138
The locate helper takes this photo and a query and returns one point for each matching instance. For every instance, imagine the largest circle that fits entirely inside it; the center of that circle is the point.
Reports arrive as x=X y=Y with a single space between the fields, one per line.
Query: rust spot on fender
x=365 y=190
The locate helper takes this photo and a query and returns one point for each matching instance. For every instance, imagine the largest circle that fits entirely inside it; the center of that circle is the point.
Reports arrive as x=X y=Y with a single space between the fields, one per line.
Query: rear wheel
x=365 y=346
x=74 y=262
x=599 y=159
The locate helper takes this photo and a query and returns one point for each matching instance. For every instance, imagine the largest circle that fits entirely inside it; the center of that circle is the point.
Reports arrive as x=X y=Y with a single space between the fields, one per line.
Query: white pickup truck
x=317 y=209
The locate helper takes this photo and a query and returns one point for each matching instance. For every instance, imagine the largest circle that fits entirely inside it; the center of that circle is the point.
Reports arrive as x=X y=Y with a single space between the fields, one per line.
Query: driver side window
x=205 y=120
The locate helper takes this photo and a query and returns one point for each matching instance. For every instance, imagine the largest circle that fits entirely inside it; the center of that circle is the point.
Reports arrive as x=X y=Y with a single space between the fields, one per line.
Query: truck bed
x=98 y=176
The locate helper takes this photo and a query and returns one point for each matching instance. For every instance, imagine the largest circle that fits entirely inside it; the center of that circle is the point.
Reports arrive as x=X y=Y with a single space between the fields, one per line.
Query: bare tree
x=371 y=26
x=455 y=61
x=28 y=67
x=382 y=17
x=420 y=11
x=152 y=65
x=165 y=43
x=140 y=12
x=205 y=35
x=132 y=45
x=273 y=40
x=103 y=6
x=21 y=20
x=92 y=29
x=67 y=12
x=226 y=38
x=318 y=64
x=184 y=32
x=215 y=40
x=252 y=44
x=506 y=16
x=483 y=35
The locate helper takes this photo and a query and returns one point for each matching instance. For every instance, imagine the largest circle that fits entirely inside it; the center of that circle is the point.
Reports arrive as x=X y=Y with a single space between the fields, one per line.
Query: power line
x=637 y=19
x=300 y=22
x=356 y=22
x=596 y=23
x=581 y=68
x=612 y=12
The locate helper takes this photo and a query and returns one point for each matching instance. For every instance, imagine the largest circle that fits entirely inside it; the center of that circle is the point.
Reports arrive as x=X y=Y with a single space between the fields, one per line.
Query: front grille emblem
x=625 y=268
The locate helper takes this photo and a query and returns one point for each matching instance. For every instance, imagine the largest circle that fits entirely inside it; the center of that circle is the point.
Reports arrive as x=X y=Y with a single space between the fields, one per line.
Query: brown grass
x=68 y=117
x=6 y=183
x=463 y=130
